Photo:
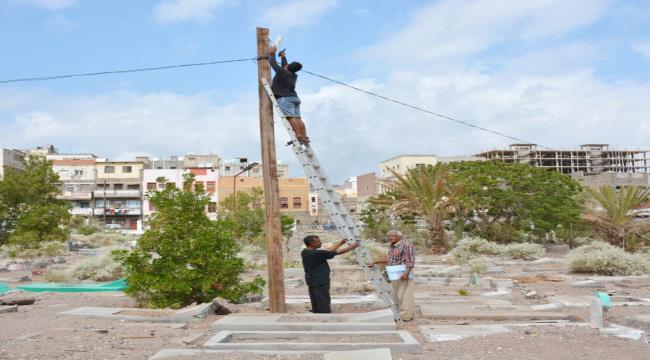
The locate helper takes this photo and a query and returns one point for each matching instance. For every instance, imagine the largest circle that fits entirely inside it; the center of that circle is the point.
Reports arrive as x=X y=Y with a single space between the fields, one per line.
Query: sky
x=558 y=73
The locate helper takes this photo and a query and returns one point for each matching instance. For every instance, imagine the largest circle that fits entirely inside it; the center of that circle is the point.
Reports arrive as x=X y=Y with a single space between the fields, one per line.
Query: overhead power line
x=54 y=77
x=419 y=108
x=124 y=71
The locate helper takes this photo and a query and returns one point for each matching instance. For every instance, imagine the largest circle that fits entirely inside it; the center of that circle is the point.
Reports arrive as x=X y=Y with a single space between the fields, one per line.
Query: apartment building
x=78 y=174
x=367 y=187
x=294 y=193
x=591 y=164
x=11 y=158
x=234 y=166
x=207 y=177
x=118 y=193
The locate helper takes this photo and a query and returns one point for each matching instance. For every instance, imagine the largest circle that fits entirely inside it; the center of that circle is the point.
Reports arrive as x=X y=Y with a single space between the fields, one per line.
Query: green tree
x=615 y=222
x=500 y=201
x=425 y=193
x=30 y=213
x=249 y=218
x=184 y=257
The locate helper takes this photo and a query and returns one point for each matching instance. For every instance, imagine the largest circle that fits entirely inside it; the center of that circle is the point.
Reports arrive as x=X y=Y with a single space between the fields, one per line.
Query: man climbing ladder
x=284 y=89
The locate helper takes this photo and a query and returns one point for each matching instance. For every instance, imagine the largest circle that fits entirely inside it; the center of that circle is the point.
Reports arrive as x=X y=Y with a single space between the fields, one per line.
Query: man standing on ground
x=401 y=252
x=317 y=271
x=284 y=89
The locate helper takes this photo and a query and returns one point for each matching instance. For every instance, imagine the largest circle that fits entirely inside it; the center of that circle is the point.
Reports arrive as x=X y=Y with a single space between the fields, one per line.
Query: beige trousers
x=405 y=293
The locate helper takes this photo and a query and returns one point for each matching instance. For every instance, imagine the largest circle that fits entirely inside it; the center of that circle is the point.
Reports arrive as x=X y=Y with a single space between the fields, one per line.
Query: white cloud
x=48 y=4
x=121 y=123
x=60 y=23
x=178 y=11
x=296 y=13
x=642 y=48
x=452 y=29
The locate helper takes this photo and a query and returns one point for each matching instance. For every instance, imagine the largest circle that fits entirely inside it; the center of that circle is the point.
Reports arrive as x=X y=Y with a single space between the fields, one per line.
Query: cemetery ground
x=517 y=310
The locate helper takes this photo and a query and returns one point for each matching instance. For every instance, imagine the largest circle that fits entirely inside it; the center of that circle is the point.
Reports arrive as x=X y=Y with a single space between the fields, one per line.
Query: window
x=100 y=186
x=109 y=169
x=227 y=168
x=419 y=166
x=127 y=169
x=69 y=188
x=151 y=186
x=84 y=204
x=133 y=186
x=297 y=202
x=210 y=186
x=78 y=172
x=212 y=207
x=284 y=203
x=133 y=204
x=100 y=203
x=118 y=186
x=313 y=199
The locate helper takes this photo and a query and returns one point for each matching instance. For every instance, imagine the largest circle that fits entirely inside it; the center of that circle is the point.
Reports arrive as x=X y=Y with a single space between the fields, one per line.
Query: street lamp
x=234 y=187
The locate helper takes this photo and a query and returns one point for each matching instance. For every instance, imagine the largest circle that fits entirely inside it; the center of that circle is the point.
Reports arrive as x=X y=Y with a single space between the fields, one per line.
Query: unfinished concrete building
x=592 y=164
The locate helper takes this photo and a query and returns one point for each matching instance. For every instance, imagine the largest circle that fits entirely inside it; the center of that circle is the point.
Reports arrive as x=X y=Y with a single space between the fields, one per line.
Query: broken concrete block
x=532 y=295
x=8 y=309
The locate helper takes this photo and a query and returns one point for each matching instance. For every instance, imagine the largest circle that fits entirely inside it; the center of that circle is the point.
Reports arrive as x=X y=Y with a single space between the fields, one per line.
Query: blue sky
x=558 y=73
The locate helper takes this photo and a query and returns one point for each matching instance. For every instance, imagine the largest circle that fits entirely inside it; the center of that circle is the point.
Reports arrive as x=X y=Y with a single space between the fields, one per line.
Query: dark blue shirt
x=284 y=81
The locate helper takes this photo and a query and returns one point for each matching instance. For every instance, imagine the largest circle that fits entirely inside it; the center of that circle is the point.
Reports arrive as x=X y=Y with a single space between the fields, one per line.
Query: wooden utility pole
x=270 y=175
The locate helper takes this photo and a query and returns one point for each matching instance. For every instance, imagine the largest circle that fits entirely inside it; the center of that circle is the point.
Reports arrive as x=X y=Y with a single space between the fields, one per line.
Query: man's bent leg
x=322 y=299
x=299 y=128
x=405 y=294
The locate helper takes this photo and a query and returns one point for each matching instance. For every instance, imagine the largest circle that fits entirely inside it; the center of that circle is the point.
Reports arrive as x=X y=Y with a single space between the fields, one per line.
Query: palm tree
x=423 y=192
x=615 y=223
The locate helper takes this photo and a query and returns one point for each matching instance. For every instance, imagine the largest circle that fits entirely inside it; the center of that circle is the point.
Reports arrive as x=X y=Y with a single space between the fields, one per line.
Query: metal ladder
x=336 y=209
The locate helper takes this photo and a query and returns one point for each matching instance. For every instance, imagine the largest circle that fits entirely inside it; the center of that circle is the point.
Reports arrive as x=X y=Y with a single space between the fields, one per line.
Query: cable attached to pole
x=43 y=78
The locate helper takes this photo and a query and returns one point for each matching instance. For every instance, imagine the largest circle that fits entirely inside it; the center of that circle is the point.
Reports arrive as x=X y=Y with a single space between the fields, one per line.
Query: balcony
x=100 y=194
x=75 y=195
x=81 y=211
x=117 y=212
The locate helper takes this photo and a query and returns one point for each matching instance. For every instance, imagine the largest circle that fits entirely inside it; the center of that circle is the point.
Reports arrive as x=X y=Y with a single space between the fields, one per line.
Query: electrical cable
x=420 y=109
x=43 y=78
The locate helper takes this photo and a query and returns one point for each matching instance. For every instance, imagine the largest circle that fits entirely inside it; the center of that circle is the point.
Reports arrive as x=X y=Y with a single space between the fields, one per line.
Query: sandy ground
x=36 y=332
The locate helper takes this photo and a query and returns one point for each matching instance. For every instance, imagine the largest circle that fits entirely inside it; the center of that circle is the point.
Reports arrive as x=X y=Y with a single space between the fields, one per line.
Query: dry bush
x=101 y=239
x=471 y=246
x=525 y=251
x=602 y=258
x=100 y=268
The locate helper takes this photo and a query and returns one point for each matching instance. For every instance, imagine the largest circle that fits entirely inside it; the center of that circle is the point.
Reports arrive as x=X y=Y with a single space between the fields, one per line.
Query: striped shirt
x=401 y=253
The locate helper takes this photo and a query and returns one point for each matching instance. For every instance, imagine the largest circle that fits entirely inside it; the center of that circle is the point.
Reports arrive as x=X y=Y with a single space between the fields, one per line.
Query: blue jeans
x=290 y=105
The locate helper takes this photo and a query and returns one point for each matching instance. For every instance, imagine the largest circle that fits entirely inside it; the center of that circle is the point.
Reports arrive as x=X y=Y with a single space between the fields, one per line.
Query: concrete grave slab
x=8 y=309
x=499 y=293
x=437 y=333
x=374 y=354
x=366 y=354
x=468 y=311
x=191 y=313
x=587 y=284
x=625 y=333
x=300 y=302
x=381 y=320
x=327 y=341
x=638 y=320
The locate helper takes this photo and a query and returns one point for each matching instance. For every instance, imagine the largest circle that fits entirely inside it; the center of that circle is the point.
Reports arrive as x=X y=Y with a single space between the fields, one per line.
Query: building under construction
x=589 y=159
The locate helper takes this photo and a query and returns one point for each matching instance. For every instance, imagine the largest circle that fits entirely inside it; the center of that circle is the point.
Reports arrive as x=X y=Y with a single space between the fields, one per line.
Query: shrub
x=477 y=265
x=525 y=251
x=185 y=257
x=101 y=268
x=471 y=246
x=87 y=230
x=602 y=258
x=46 y=248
